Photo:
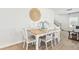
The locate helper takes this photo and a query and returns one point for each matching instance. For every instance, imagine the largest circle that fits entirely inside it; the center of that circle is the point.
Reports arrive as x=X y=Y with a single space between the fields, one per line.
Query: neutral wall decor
x=35 y=14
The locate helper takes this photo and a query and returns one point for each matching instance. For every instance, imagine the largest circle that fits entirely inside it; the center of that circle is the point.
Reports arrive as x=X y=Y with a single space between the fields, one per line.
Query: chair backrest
x=25 y=34
x=49 y=36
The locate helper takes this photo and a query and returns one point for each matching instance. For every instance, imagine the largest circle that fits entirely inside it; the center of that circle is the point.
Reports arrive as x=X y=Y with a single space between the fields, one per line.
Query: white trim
x=7 y=45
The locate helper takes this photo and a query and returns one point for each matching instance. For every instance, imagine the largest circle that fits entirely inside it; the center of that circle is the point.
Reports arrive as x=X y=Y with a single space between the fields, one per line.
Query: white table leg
x=77 y=36
x=37 y=43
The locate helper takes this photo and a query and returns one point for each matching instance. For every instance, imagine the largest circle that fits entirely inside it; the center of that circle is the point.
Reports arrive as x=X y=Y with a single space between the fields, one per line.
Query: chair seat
x=46 y=40
x=31 y=39
x=43 y=38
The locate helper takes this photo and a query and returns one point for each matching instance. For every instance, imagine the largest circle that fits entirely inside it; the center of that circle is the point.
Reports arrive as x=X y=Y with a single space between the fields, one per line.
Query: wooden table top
x=41 y=31
x=38 y=31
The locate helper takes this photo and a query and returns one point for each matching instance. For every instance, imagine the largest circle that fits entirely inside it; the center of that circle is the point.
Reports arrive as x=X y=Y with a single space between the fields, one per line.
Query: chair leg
x=26 y=46
x=39 y=43
x=46 y=45
x=56 y=41
x=52 y=43
x=33 y=43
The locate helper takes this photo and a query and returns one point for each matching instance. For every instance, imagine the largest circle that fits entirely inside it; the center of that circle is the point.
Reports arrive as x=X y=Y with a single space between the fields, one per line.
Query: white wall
x=75 y=15
x=64 y=20
x=13 y=20
x=46 y=14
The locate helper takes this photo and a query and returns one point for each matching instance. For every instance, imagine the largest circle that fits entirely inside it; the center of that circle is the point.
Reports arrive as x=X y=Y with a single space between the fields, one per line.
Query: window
x=73 y=21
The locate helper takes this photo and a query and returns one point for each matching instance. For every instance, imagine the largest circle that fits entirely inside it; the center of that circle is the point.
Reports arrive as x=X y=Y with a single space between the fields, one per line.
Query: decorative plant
x=43 y=24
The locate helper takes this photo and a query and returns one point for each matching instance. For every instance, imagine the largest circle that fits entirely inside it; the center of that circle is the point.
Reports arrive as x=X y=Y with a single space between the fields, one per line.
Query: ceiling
x=66 y=10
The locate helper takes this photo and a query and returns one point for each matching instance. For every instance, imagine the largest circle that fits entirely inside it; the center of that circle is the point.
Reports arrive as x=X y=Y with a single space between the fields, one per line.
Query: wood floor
x=14 y=47
x=65 y=44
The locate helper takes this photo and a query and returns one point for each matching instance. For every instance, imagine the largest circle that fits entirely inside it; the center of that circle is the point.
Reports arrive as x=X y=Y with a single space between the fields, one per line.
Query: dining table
x=40 y=32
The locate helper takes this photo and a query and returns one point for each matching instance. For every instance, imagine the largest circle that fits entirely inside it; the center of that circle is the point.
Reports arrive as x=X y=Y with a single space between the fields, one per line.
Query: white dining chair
x=28 y=38
x=47 y=39
x=56 y=37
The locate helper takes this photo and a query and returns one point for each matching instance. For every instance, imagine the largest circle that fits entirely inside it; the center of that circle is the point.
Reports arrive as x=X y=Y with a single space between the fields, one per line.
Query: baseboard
x=8 y=45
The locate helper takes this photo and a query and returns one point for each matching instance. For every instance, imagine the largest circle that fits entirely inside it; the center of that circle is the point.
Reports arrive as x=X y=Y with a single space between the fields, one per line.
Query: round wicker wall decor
x=35 y=14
